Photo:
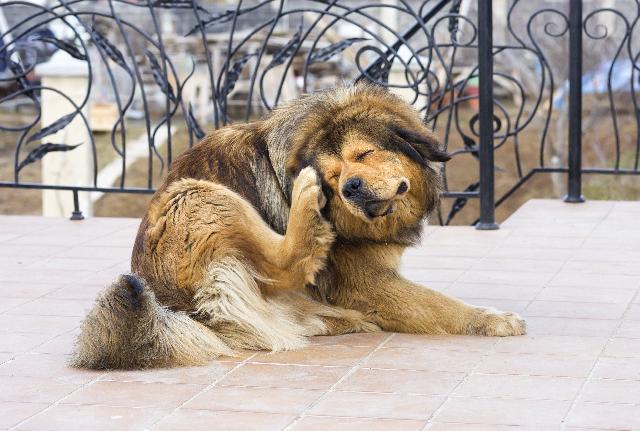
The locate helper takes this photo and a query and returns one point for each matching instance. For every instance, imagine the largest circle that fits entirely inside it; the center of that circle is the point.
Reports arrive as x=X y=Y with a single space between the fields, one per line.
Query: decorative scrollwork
x=171 y=67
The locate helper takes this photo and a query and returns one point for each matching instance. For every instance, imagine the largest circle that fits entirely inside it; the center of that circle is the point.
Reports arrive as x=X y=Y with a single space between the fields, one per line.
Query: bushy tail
x=128 y=328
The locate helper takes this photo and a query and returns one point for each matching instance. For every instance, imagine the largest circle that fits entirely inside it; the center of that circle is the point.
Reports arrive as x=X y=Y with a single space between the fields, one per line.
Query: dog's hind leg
x=231 y=303
x=199 y=223
x=319 y=318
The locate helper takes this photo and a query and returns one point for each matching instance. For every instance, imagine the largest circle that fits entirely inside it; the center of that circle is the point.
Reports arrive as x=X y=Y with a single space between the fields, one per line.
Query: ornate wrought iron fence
x=490 y=77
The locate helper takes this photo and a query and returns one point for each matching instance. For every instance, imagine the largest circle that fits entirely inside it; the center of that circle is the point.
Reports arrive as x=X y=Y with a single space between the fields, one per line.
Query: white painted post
x=73 y=168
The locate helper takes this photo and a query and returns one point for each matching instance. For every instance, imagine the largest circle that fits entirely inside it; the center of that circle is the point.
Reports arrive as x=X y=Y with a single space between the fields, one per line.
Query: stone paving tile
x=504 y=411
x=134 y=394
x=401 y=381
x=363 y=339
x=7 y=303
x=424 y=359
x=450 y=426
x=612 y=391
x=574 y=277
x=623 y=348
x=520 y=387
x=592 y=294
x=316 y=355
x=285 y=376
x=494 y=290
x=531 y=253
x=516 y=306
x=77 y=291
x=21 y=289
x=552 y=344
x=576 y=310
x=617 y=368
x=12 y=413
x=91 y=417
x=519 y=278
x=605 y=416
x=536 y=365
x=629 y=329
x=324 y=423
x=52 y=366
x=539 y=326
x=579 y=279
x=60 y=345
x=206 y=420
x=203 y=375
x=633 y=312
x=38 y=324
x=34 y=389
x=517 y=264
x=375 y=405
x=265 y=400
x=53 y=307
x=458 y=342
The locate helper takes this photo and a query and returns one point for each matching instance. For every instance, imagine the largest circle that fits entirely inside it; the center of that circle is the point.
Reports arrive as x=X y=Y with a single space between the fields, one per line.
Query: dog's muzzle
x=356 y=192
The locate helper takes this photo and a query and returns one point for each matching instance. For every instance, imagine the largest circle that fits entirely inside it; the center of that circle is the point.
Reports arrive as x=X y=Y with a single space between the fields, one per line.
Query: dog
x=266 y=233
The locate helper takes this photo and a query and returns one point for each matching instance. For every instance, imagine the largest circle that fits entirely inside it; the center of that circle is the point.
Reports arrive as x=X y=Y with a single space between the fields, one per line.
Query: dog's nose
x=352 y=187
x=403 y=187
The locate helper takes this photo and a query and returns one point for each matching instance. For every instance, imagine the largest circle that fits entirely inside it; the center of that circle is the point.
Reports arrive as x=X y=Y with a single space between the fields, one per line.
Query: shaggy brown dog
x=268 y=232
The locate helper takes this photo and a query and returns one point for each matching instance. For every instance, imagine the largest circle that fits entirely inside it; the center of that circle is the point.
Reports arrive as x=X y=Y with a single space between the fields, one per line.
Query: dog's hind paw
x=307 y=191
x=313 y=234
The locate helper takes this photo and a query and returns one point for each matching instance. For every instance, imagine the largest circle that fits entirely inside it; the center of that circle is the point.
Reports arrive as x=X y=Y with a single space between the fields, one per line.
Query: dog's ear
x=423 y=142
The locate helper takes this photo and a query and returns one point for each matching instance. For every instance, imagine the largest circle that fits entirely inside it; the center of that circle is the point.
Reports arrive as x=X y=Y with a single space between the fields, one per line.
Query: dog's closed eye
x=360 y=157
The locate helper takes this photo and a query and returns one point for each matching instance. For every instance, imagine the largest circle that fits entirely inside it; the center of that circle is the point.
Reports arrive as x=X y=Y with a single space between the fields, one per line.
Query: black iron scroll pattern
x=254 y=55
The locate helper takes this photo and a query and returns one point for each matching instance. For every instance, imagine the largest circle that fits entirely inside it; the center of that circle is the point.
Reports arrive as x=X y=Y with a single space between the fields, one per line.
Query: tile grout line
x=331 y=389
x=449 y=396
x=564 y=263
x=435 y=414
x=589 y=377
x=580 y=392
x=54 y=404
x=64 y=285
x=206 y=388
x=491 y=248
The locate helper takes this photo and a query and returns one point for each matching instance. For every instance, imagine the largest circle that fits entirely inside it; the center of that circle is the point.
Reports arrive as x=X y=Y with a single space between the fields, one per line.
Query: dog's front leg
x=399 y=305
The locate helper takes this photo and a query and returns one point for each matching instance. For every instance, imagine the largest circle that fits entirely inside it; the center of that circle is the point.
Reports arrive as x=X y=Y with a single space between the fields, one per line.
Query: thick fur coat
x=269 y=232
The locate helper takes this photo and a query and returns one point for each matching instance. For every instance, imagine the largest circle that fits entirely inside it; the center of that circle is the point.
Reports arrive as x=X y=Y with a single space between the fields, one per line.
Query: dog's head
x=374 y=157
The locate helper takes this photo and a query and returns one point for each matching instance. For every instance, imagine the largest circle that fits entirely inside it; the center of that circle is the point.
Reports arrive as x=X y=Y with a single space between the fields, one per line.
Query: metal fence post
x=574 y=192
x=485 y=151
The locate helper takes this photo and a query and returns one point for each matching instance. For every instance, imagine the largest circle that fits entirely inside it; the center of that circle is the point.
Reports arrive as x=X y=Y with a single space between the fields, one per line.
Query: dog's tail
x=127 y=328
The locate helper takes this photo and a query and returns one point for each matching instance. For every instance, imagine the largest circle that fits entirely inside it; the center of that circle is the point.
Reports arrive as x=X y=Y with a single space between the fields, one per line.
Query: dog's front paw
x=494 y=323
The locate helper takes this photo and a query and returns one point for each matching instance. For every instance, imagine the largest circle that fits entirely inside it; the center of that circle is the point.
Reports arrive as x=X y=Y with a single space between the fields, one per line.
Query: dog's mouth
x=378 y=208
x=369 y=205
x=372 y=209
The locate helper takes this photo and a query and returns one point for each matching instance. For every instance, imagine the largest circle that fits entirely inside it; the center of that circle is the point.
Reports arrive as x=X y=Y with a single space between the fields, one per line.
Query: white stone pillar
x=71 y=168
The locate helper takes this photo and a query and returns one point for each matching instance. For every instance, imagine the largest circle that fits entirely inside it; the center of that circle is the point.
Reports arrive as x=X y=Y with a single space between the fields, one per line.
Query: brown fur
x=234 y=253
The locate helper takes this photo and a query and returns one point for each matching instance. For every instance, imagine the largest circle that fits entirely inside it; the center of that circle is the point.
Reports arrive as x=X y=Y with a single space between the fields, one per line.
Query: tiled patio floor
x=572 y=270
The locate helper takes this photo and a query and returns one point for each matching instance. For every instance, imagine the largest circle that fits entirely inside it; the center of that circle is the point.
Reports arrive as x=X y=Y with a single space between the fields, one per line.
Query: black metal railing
x=492 y=78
